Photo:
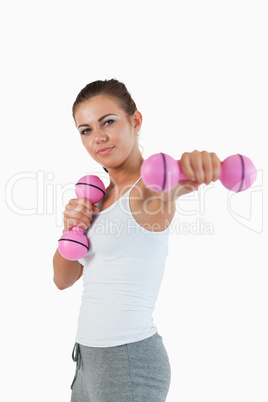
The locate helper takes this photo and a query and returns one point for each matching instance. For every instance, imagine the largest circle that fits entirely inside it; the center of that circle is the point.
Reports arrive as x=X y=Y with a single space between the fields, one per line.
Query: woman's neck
x=126 y=173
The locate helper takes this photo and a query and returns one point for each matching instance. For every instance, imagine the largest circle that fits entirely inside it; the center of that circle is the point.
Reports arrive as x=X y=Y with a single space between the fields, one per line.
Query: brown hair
x=112 y=88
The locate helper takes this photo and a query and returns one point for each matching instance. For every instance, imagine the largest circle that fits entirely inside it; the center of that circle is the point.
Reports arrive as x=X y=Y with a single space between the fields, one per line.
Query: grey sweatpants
x=134 y=372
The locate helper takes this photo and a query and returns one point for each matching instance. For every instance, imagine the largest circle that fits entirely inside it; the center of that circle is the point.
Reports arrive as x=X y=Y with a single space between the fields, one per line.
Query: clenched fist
x=78 y=212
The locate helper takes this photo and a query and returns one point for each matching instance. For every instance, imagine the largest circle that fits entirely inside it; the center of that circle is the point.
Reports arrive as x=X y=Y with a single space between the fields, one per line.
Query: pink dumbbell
x=73 y=244
x=160 y=172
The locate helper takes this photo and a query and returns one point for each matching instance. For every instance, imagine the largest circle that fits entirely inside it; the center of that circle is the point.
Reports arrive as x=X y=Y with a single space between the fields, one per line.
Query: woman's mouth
x=105 y=151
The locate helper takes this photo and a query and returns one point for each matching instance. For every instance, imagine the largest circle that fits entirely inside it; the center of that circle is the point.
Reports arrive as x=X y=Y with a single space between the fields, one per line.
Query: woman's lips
x=105 y=151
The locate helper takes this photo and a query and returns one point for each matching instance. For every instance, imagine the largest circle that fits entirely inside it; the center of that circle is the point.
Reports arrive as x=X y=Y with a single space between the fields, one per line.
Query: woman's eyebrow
x=100 y=119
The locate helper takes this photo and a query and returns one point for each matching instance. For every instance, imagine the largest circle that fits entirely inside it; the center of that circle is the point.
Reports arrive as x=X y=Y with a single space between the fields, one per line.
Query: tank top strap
x=134 y=185
x=125 y=199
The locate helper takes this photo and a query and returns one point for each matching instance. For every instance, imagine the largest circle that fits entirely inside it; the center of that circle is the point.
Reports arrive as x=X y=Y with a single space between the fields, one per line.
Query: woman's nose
x=99 y=135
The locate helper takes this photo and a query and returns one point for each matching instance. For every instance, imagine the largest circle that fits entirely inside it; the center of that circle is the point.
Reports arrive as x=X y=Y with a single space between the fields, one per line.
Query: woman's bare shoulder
x=149 y=209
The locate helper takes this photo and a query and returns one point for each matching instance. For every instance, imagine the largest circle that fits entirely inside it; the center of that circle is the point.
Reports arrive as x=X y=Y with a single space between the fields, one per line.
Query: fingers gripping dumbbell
x=74 y=244
x=160 y=172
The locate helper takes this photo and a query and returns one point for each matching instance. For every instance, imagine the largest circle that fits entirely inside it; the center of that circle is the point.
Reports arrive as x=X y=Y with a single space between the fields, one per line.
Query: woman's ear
x=137 y=121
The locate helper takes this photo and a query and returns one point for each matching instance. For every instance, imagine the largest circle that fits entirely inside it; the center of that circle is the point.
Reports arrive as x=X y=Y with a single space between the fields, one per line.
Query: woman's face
x=106 y=132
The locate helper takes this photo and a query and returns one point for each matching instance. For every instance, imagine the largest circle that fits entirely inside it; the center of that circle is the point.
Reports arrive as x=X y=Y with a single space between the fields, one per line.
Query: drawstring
x=76 y=356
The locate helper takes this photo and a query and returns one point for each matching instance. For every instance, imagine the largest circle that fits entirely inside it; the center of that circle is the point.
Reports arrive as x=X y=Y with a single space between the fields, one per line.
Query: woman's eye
x=109 y=122
x=86 y=131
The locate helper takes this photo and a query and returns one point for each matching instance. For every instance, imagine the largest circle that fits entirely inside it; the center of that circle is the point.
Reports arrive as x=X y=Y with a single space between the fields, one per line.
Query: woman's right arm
x=78 y=212
x=66 y=272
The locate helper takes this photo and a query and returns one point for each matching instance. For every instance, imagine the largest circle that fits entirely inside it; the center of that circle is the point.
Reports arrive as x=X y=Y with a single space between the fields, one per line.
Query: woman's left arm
x=199 y=167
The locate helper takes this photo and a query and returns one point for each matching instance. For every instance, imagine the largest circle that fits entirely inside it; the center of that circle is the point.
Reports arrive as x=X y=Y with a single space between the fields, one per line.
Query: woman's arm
x=78 y=212
x=66 y=272
x=199 y=167
x=158 y=209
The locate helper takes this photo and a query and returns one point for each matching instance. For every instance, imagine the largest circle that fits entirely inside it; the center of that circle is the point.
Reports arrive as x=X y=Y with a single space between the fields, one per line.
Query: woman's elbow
x=59 y=284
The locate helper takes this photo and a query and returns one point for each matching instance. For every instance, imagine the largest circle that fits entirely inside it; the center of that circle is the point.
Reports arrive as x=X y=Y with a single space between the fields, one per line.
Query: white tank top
x=122 y=275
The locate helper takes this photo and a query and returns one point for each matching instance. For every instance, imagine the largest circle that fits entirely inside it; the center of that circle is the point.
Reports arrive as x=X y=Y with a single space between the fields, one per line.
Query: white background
x=197 y=71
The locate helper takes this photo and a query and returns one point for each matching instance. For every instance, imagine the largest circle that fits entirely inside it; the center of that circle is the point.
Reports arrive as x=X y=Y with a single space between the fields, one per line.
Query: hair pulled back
x=112 y=88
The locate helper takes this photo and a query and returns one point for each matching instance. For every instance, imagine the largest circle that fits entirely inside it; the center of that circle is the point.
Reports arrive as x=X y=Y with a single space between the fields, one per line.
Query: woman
x=120 y=355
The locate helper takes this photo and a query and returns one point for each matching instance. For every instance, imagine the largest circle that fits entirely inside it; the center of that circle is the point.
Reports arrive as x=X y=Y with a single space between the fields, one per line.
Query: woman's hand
x=78 y=212
x=199 y=167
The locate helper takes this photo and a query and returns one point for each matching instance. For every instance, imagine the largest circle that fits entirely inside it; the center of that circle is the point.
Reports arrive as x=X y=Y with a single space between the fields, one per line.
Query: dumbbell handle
x=223 y=172
x=73 y=244
x=160 y=172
